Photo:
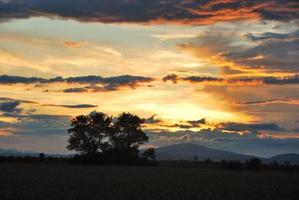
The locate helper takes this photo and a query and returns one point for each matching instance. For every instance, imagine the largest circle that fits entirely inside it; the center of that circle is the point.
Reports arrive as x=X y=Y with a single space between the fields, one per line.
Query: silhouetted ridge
x=188 y=151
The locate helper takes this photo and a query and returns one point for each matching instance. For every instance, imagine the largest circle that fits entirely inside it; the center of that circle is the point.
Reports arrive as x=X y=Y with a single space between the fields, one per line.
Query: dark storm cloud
x=146 y=11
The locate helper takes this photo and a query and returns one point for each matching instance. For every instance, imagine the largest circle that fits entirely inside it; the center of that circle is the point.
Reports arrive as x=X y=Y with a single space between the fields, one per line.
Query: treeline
x=33 y=159
x=234 y=165
x=254 y=164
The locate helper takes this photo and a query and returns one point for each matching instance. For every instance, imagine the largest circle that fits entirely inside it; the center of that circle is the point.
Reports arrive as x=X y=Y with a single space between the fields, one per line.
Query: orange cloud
x=73 y=43
x=7 y=131
x=290 y=101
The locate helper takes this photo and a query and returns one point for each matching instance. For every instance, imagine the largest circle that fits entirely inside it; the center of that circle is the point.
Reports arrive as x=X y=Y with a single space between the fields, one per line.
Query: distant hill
x=187 y=151
x=292 y=158
x=13 y=152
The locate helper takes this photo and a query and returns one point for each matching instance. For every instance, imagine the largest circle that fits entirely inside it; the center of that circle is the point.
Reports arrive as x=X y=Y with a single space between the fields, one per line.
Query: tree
x=89 y=132
x=99 y=138
x=254 y=164
x=127 y=133
x=149 y=153
x=41 y=156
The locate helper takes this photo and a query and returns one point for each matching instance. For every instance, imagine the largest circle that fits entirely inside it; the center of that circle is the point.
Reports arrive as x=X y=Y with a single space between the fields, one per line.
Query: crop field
x=72 y=182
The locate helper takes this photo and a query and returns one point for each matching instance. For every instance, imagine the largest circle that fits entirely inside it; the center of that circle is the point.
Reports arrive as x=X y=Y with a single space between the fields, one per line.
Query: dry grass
x=39 y=181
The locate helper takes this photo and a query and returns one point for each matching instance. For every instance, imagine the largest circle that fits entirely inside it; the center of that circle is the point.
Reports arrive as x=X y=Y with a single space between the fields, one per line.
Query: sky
x=224 y=74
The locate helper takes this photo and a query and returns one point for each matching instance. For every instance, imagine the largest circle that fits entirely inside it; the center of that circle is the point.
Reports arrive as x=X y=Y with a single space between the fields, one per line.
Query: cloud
x=124 y=79
x=237 y=53
x=25 y=122
x=291 y=101
x=233 y=126
x=181 y=126
x=284 y=80
x=5 y=79
x=189 y=124
x=151 y=11
x=248 y=143
x=107 y=83
x=10 y=107
x=72 y=106
x=236 y=127
x=193 y=79
x=153 y=120
x=197 y=122
x=274 y=36
x=274 y=52
x=72 y=44
x=16 y=123
x=269 y=56
x=234 y=81
x=75 y=90
x=37 y=124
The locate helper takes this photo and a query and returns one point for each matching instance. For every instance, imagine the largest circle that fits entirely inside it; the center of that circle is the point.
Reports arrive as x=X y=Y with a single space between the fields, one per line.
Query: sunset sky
x=224 y=74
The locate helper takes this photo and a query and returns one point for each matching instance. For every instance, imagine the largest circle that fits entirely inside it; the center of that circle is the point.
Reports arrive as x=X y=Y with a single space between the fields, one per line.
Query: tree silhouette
x=41 y=156
x=149 y=153
x=253 y=164
x=127 y=132
x=88 y=133
x=99 y=137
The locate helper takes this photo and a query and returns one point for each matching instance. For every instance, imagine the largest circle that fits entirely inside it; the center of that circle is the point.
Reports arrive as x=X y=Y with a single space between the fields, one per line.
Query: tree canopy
x=88 y=133
x=100 y=134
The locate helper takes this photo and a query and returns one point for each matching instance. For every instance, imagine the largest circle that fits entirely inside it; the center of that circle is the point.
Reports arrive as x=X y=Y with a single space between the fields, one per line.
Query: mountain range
x=188 y=151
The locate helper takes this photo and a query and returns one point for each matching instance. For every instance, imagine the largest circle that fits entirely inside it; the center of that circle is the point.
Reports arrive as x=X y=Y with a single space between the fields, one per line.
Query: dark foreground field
x=41 y=181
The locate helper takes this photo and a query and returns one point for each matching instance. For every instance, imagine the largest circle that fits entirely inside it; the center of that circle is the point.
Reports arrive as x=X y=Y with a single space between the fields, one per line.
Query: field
x=59 y=181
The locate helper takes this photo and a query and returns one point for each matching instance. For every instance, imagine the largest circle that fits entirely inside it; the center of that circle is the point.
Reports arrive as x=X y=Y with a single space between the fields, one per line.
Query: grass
x=59 y=181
